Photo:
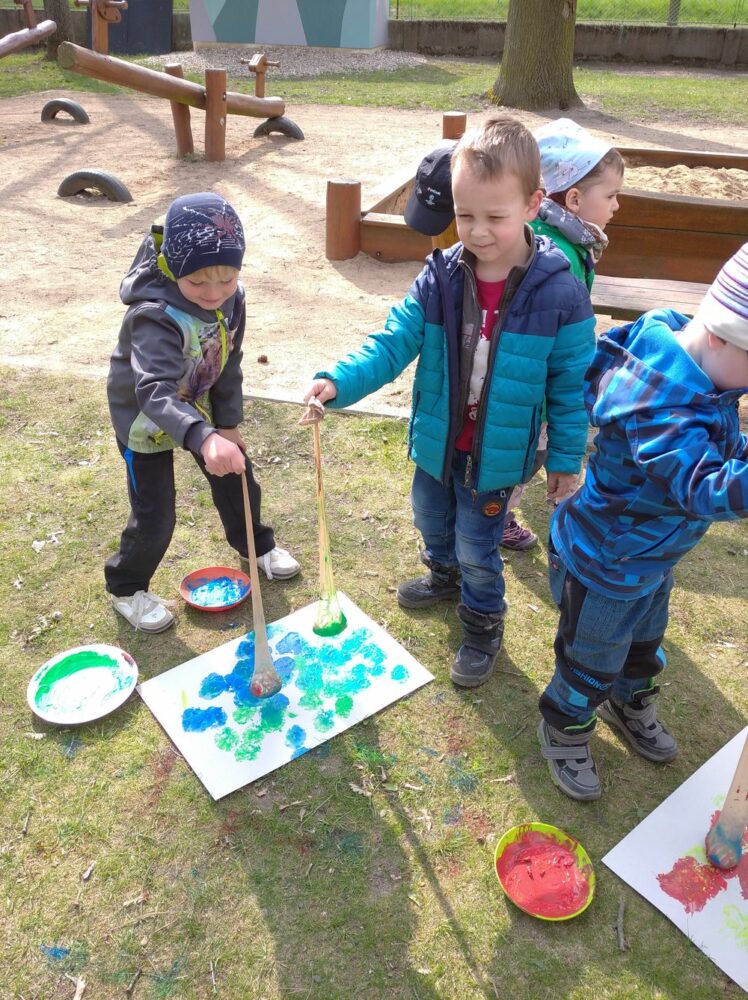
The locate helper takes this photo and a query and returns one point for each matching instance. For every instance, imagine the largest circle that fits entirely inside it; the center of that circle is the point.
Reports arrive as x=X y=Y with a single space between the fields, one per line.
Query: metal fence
x=675 y=13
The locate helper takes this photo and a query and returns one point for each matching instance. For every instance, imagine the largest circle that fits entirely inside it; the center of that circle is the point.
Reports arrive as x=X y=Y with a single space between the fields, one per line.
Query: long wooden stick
x=330 y=619
x=724 y=840
x=265 y=679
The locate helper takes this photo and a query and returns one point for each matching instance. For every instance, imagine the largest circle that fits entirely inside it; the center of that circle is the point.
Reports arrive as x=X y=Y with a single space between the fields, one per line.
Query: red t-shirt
x=489 y=300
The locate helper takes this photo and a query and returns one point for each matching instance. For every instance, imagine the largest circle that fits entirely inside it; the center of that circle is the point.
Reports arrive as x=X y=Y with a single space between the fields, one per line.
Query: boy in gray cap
x=175 y=380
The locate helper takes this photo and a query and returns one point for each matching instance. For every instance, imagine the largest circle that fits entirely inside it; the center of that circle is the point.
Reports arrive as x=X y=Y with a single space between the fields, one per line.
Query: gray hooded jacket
x=175 y=375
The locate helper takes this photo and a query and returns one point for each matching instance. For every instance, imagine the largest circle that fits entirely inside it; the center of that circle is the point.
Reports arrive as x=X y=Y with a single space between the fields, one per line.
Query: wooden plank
x=625 y=298
x=640 y=156
x=636 y=251
x=387 y=238
x=664 y=210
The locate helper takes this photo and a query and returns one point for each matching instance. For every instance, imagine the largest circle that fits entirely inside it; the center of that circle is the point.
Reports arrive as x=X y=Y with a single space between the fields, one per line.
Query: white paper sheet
x=666 y=852
x=230 y=738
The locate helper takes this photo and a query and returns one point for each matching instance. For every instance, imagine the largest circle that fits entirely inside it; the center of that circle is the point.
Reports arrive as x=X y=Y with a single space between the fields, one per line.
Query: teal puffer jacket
x=540 y=350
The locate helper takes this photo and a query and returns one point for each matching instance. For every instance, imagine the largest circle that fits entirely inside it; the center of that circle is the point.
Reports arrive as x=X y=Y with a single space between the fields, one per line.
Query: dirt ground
x=61 y=260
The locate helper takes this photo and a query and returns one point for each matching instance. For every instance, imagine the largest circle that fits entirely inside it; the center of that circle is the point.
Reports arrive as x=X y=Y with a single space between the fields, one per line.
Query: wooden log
x=454 y=124
x=26 y=36
x=343 y=219
x=148 y=81
x=215 y=115
x=180 y=114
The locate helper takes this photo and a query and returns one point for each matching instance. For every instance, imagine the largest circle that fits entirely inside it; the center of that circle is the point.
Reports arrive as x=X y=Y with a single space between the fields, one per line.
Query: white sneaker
x=278 y=564
x=145 y=611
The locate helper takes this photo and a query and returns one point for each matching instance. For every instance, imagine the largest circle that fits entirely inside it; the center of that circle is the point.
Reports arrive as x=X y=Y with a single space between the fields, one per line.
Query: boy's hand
x=233 y=434
x=321 y=389
x=222 y=456
x=560 y=486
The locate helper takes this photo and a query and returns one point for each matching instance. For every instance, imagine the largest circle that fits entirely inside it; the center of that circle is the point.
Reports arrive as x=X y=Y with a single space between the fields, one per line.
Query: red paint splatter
x=692 y=884
x=543 y=877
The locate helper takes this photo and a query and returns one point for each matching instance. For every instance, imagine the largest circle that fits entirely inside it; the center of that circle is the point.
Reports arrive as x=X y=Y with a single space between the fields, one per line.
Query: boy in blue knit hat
x=175 y=380
x=670 y=459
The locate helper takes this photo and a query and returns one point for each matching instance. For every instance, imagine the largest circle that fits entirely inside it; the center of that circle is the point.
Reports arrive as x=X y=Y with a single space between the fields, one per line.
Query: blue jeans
x=604 y=647
x=463 y=528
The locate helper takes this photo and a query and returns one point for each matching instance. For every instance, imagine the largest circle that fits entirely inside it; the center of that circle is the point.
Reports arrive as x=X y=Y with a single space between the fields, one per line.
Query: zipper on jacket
x=412 y=421
x=480 y=418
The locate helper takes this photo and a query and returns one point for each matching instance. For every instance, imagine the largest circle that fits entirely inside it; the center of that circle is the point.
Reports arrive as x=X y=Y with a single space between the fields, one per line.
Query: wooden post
x=343 y=219
x=454 y=124
x=258 y=65
x=180 y=114
x=215 y=115
x=29 y=14
x=103 y=13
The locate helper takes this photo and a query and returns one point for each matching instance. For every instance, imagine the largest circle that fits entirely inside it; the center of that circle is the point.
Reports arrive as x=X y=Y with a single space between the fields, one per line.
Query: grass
x=443 y=84
x=726 y=12
x=299 y=886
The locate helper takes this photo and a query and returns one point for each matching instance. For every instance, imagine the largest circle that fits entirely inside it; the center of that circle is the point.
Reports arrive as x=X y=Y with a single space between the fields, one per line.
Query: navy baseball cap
x=429 y=209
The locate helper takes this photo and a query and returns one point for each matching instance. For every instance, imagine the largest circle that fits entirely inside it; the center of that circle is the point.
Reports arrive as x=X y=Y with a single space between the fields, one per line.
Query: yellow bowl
x=544 y=871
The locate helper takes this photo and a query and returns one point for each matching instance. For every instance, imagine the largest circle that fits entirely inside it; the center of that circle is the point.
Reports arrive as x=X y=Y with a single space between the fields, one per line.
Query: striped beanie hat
x=724 y=308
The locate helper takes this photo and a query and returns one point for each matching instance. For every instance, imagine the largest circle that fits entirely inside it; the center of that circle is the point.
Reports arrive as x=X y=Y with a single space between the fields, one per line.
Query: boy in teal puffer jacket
x=498 y=324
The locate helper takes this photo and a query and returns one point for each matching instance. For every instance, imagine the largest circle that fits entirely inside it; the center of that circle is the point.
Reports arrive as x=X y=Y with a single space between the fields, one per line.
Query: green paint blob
x=737 y=922
x=330 y=618
x=227 y=739
x=344 y=706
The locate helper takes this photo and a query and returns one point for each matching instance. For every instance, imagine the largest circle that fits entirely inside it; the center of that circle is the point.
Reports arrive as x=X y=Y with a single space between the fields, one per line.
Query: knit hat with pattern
x=724 y=308
x=201 y=230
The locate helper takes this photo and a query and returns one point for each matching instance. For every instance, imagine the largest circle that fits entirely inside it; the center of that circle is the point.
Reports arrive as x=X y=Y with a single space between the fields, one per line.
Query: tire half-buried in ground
x=98 y=180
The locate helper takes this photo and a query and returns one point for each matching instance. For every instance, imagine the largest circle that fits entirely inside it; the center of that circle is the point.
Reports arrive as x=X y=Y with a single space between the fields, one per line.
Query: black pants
x=150 y=486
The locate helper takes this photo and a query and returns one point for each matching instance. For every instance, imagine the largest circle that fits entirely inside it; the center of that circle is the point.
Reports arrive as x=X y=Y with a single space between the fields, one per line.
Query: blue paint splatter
x=219 y=593
x=55 y=953
x=295 y=736
x=335 y=671
x=71 y=748
x=453 y=815
x=212 y=686
x=197 y=720
x=459 y=778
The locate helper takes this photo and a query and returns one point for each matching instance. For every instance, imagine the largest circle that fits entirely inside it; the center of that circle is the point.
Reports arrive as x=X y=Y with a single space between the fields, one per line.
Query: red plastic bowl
x=215 y=597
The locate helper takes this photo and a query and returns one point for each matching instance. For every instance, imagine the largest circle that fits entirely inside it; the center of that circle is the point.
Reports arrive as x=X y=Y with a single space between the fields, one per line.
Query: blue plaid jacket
x=670 y=460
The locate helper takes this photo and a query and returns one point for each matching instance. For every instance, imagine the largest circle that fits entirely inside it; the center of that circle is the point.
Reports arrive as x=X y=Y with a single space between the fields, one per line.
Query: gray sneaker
x=639 y=724
x=570 y=762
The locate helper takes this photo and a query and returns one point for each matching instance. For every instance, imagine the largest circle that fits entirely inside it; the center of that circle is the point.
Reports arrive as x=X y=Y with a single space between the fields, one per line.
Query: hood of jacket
x=669 y=460
x=146 y=282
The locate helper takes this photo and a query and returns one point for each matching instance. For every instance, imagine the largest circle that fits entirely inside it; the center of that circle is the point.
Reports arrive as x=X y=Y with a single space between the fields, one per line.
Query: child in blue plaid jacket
x=670 y=459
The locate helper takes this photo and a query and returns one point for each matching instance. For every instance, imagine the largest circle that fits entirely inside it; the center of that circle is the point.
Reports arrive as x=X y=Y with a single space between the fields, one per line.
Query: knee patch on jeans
x=590 y=685
x=645 y=659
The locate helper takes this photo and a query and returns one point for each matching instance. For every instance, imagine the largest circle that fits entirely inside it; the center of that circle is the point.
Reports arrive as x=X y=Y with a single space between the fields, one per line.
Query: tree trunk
x=537 y=63
x=59 y=12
